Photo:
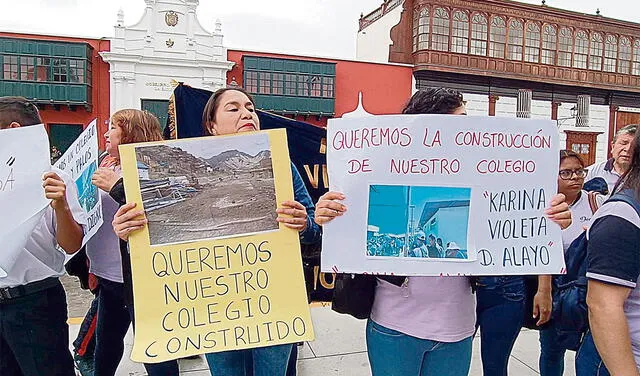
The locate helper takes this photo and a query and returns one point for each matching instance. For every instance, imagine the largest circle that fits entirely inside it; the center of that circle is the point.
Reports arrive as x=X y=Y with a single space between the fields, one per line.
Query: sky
x=206 y=149
x=305 y=27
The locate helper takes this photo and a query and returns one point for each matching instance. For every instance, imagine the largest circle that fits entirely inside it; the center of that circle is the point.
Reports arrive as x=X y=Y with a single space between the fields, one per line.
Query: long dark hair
x=631 y=178
x=209 y=113
x=439 y=100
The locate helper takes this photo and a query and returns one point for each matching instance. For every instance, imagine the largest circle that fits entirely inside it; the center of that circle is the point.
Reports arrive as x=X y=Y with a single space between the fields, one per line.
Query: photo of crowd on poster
x=418 y=222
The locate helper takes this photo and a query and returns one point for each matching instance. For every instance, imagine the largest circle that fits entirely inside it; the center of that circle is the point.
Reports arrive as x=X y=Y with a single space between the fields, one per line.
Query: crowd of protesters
x=417 y=326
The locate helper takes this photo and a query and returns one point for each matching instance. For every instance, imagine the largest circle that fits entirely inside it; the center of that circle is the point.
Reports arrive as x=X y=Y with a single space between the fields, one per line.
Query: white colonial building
x=167 y=45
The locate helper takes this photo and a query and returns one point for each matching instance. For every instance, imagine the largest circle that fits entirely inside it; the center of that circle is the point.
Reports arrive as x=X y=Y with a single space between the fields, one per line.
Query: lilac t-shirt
x=103 y=249
x=435 y=308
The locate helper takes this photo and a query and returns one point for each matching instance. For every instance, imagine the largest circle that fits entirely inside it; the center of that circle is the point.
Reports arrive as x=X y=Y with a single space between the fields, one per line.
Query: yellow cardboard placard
x=234 y=291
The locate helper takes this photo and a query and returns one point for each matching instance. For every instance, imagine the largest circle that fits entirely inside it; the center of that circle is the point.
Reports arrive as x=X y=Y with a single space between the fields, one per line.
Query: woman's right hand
x=328 y=207
x=127 y=220
x=105 y=178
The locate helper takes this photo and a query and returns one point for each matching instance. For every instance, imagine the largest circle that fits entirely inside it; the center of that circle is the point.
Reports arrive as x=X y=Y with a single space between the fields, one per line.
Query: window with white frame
x=460 y=33
x=479 y=30
x=581 y=50
x=532 y=43
x=498 y=37
x=635 y=65
x=549 y=44
x=565 y=47
x=516 y=36
x=440 y=30
x=610 y=53
x=624 y=56
x=421 y=30
x=595 y=51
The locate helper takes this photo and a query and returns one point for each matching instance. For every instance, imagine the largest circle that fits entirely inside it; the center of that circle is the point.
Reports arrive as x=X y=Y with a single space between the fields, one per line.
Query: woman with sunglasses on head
x=426 y=325
x=583 y=205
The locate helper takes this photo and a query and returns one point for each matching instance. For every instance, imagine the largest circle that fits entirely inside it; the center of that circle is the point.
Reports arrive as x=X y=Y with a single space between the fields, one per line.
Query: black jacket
x=117 y=193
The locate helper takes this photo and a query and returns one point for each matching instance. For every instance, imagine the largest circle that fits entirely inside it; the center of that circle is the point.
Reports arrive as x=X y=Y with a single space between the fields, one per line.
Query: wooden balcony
x=486 y=66
x=432 y=33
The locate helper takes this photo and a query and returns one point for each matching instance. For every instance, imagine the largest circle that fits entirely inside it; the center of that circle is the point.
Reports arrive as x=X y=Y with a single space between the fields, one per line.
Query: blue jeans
x=267 y=361
x=292 y=369
x=551 y=360
x=394 y=353
x=588 y=361
x=500 y=311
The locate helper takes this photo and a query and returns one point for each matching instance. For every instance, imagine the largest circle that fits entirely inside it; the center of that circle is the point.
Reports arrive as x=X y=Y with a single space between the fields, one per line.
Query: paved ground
x=339 y=348
x=78 y=300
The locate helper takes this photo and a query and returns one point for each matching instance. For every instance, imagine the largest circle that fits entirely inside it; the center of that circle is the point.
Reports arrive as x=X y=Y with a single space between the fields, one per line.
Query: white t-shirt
x=581 y=214
x=41 y=258
x=604 y=170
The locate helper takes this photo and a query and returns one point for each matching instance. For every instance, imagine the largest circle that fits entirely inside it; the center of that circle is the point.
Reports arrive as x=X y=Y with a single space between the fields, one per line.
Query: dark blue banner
x=307 y=149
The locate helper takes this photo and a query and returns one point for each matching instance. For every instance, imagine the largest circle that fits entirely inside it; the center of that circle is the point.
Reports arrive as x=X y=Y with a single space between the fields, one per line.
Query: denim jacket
x=312 y=233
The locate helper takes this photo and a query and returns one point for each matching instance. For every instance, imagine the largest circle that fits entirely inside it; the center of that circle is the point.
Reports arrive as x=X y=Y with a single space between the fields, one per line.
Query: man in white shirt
x=421 y=249
x=611 y=170
x=34 y=335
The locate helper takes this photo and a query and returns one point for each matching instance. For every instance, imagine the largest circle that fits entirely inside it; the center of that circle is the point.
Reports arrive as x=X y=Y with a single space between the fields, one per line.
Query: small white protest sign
x=443 y=195
x=80 y=161
x=24 y=158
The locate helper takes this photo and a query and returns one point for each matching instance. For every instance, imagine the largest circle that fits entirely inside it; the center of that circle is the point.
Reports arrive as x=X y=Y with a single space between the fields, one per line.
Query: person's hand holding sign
x=104 y=178
x=295 y=215
x=69 y=234
x=559 y=211
x=55 y=190
x=329 y=207
x=128 y=220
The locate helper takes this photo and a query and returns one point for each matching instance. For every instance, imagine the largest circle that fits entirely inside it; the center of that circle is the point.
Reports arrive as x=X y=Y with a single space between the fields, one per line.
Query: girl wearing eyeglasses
x=582 y=204
x=570 y=182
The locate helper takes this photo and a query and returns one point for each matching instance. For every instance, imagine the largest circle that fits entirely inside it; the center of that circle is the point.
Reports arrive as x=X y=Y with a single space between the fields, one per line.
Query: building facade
x=167 y=45
x=315 y=89
x=515 y=59
x=64 y=76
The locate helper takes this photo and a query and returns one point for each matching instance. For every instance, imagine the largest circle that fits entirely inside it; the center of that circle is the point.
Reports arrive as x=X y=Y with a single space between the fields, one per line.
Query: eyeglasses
x=568 y=174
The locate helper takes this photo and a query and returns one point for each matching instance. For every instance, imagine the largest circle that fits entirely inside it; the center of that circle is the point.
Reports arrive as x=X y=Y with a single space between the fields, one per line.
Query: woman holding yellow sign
x=230 y=111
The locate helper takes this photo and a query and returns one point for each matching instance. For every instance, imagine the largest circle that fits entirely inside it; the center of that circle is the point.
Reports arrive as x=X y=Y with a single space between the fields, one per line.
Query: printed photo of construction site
x=207 y=188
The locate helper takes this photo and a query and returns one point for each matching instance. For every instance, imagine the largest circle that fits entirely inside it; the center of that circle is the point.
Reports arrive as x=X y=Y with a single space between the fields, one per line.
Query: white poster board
x=80 y=161
x=24 y=158
x=443 y=195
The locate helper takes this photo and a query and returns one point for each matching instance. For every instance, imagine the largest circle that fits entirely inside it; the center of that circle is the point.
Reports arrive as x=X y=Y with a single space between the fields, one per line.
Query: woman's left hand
x=127 y=220
x=104 y=178
x=295 y=215
x=542 y=303
x=559 y=211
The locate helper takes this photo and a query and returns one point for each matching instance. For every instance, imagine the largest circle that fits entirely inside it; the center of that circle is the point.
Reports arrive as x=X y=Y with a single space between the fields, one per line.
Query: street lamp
x=574 y=113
